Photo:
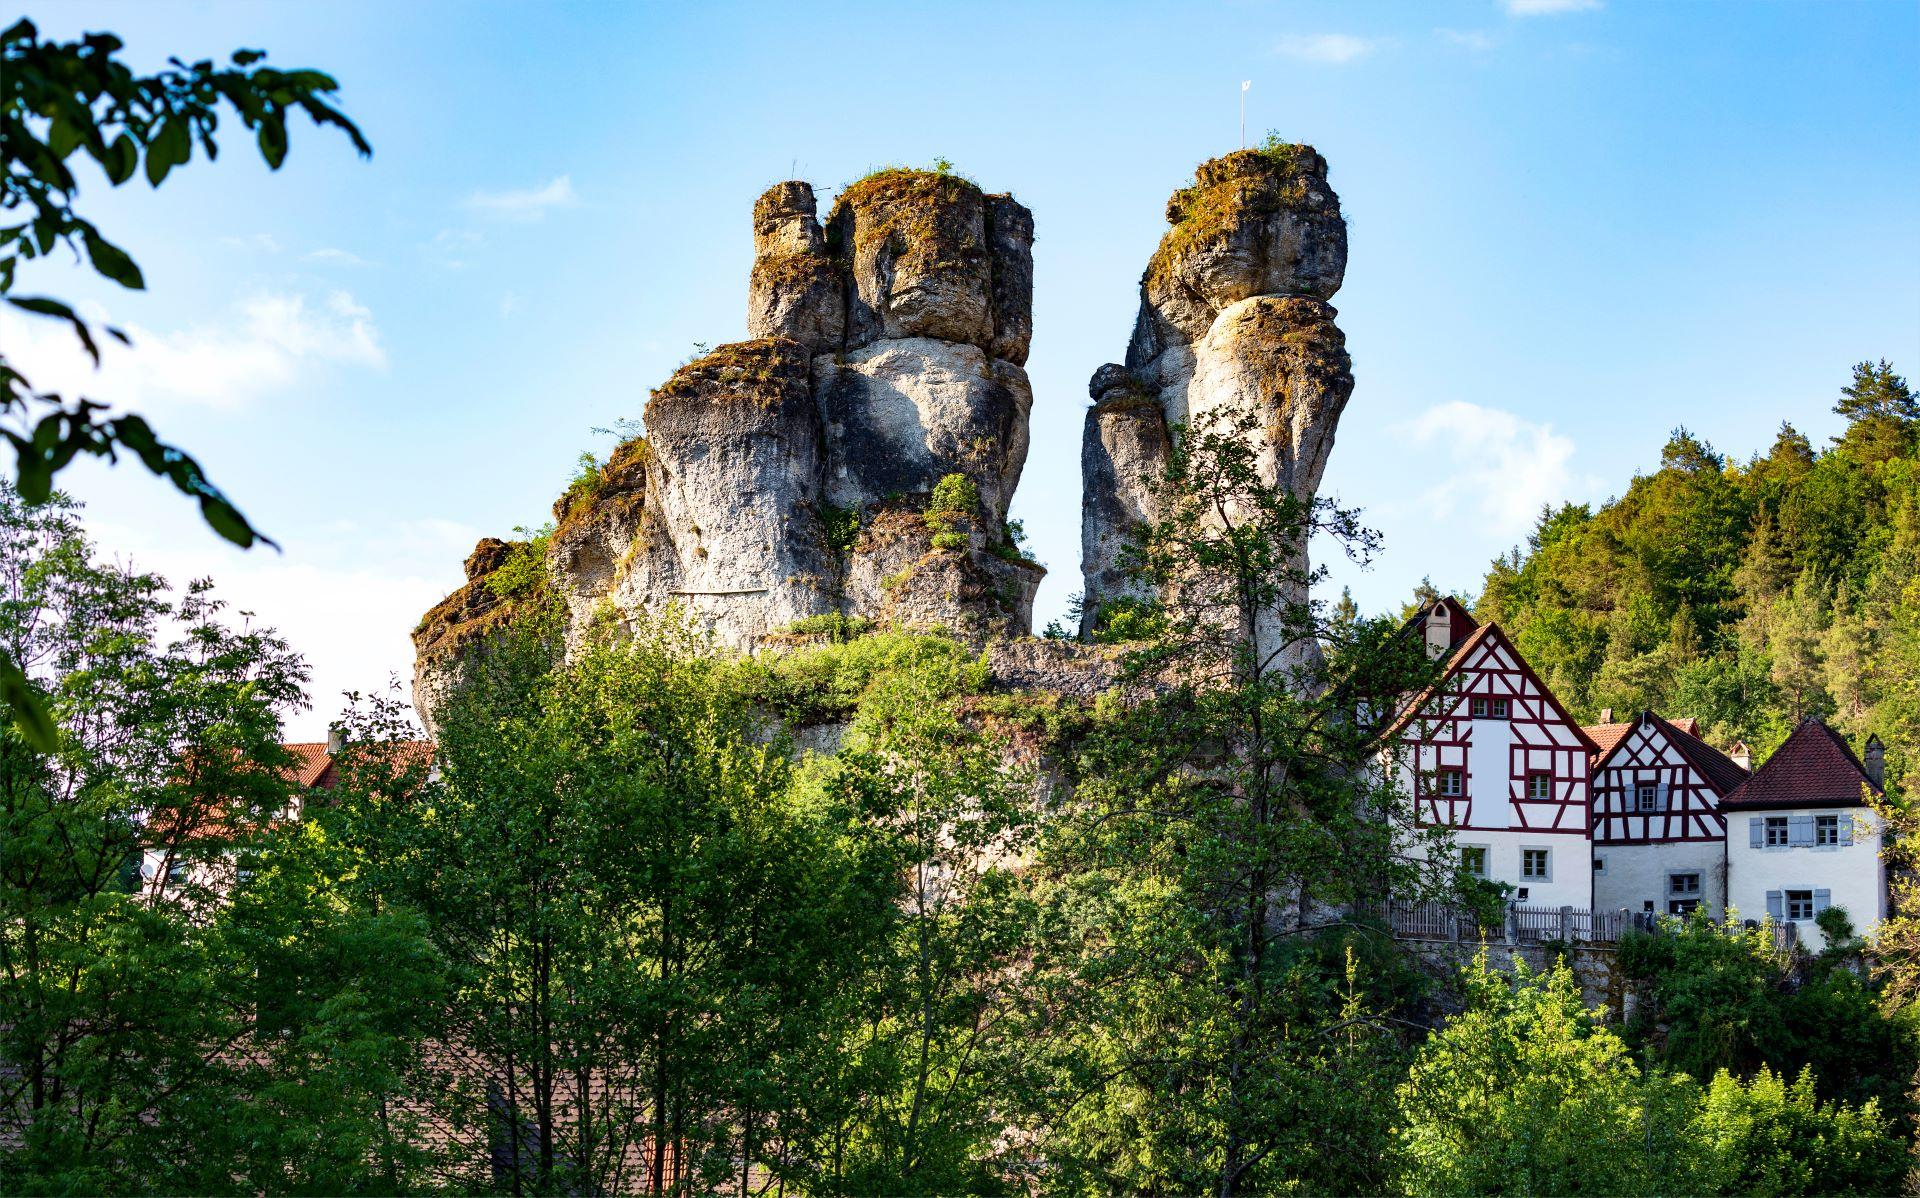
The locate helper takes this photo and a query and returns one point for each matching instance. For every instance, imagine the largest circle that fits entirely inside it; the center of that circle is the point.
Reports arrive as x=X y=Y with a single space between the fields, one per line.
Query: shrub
x=954 y=495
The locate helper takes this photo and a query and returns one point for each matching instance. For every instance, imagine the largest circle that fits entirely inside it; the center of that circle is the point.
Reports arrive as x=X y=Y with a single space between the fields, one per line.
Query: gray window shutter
x=1821 y=900
x=1776 y=906
x=1756 y=830
x=1846 y=827
x=1660 y=797
x=1800 y=829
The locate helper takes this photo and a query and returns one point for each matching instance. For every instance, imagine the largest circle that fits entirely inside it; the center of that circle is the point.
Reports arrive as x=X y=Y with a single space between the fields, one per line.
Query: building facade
x=1490 y=754
x=1659 y=839
x=1802 y=836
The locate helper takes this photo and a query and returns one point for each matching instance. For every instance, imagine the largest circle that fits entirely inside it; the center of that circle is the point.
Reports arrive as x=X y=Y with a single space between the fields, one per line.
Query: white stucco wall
x=1852 y=873
x=1570 y=862
x=1636 y=874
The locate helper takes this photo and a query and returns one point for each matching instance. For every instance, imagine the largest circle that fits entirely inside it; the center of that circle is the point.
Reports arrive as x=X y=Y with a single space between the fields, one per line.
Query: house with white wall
x=1802 y=835
x=1489 y=753
x=1658 y=832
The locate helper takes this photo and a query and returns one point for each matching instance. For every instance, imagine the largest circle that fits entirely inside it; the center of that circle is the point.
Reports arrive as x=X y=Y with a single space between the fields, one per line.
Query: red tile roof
x=1815 y=768
x=1608 y=737
x=310 y=760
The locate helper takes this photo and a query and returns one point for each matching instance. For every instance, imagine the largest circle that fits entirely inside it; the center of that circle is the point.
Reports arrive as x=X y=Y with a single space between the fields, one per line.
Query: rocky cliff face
x=857 y=456
x=1233 y=317
x=790 y=476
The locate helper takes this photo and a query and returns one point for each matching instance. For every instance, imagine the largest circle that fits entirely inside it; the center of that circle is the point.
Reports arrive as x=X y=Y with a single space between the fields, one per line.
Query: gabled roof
x=1722 y=772
x=1814 y=768
x=1607 y=738
x=1463 y=648
x=310 y=761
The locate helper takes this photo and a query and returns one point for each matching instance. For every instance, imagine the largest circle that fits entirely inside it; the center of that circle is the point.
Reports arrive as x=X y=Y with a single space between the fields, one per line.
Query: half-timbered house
x=1490 y=753
x=1658 y=834
x=1804 y=837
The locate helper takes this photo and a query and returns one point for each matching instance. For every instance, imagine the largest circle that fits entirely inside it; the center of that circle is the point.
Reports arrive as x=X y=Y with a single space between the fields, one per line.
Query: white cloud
x=1495 y=464
x=264 y=242
x=1466 y=39
x=268 y=342
x=1548 y=8
x=1326 y=47
x=334 y=257
x=448 y=246
x=345 y=597
x=529 y=204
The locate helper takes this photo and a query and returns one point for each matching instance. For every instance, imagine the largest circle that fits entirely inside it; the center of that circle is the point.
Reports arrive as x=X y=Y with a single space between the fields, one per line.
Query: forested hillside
x=1745 y=593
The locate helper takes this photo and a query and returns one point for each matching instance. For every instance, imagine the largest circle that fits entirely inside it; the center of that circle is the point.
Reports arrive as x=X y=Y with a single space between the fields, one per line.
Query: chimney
x=1439 y=631
x=1606 y=715
x=1875 y=759
x=1742 y=756
x=336 y=740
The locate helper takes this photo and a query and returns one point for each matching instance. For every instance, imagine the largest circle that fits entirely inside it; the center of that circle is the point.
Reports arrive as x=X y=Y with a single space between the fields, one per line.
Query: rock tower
x=790 y=476
x=1233 y=315
x=856 y=457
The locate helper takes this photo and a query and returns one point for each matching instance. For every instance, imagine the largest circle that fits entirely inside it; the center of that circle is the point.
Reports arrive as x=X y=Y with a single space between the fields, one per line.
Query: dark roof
x=1815 y=768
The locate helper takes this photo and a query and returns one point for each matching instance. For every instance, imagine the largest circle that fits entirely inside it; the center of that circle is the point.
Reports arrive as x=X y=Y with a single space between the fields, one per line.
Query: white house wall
x=1635 y=875
x=1851 y=874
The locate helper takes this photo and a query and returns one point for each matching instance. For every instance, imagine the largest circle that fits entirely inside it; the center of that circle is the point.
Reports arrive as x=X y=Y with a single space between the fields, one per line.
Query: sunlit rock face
x=787 y=476
x=1233 y=319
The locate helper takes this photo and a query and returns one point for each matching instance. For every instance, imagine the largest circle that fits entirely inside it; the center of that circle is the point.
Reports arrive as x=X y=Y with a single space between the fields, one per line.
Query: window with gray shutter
x=1660 y=797
x=1800 y=830
x=1776 y=906
x=1846 y=827
x=1756 y=826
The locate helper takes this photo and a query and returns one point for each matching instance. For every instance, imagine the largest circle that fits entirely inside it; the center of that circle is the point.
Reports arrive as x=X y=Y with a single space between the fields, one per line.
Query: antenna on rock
x=1244 y=85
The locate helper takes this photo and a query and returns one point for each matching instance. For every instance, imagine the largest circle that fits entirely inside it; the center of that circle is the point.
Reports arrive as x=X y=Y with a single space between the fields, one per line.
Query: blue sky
x=1574 y=225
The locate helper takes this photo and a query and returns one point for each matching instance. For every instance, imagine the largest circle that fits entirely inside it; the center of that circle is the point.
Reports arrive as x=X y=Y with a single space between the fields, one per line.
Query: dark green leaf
x=28 y=706
x=273 y=139
x=123 y=159
x=113 y=262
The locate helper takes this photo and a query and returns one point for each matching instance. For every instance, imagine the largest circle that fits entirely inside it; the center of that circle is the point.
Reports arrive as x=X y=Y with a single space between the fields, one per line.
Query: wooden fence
x=1518 y=925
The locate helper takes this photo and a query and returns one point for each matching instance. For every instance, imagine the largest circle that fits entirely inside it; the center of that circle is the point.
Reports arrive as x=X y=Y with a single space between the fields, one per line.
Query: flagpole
x=1244 y=85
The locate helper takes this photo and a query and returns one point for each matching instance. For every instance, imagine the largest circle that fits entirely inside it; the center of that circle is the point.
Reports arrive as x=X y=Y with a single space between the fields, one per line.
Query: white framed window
x=1499 y=709
x=1776 y=831
x=1646 y=796
x=1539 y=785
x=1826 y=829
x=1449 y=782
x=1473 y=859
x=1477 y=705
x=1536 y=865
x=1682 y=906
x=1683 y=883
x=1799 y=904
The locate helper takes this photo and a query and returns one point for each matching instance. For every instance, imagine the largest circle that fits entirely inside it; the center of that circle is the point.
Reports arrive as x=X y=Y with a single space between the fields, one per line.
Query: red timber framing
x=1535 y=738
x=1659 y=785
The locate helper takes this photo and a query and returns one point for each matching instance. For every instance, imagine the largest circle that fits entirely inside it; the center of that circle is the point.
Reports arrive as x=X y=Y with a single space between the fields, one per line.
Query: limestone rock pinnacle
x=788 y=476
x=1233 y=315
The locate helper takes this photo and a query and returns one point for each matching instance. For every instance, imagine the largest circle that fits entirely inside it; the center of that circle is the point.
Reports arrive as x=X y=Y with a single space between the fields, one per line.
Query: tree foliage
x=1747 y=594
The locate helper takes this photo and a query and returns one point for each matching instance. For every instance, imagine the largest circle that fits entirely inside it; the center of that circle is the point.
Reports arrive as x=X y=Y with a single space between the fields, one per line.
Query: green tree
x=59 y=99
x=645 y=927
x=1225 y=820
x=1881 y=410
x=153 y=1037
